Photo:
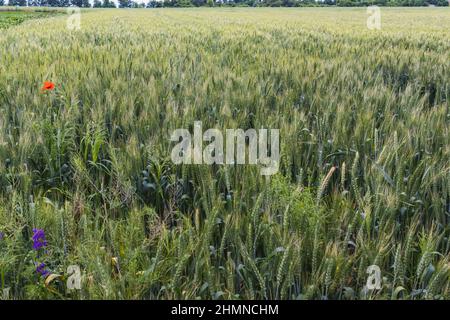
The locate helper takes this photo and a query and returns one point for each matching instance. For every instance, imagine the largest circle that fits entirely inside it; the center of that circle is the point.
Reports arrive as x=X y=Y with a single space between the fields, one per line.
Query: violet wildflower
x=41 y=270
x=39 y=239
x=2 y=235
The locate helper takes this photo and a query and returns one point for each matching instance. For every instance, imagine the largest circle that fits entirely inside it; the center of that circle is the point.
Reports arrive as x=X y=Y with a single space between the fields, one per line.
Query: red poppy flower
x=48 y=86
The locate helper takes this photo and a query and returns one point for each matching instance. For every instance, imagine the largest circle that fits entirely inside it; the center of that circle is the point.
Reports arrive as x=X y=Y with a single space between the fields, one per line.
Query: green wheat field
x=86 y=177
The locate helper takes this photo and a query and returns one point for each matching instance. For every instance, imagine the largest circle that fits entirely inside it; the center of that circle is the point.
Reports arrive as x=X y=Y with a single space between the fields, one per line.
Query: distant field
x=364 y=176
x=10 y=18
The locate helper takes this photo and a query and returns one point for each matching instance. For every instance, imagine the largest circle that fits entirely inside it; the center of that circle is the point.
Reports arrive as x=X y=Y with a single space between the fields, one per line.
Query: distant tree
x=52 y=3
x=77 y=3
x=42 y=3
x=418 y=3
x=198 y=3
x=124 y=3
x=108 y=4
x=274 y=3
x=170 y=3
x=20 y=3
x=184 y=3
x=85 y=3
x=441 y=3
x=288 y=3
x=98 y=4
x=155 y=4
x=64 y=3
x=2 y=2
x=312 y=2
x=344 y=3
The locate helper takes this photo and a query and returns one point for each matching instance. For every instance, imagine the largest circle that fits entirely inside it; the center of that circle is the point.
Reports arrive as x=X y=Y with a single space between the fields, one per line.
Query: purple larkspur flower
x=41 y=270
x=2 y=235
x=39 y=239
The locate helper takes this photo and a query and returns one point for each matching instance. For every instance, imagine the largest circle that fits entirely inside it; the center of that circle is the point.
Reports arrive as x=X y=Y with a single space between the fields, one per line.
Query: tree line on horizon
x=212 y=3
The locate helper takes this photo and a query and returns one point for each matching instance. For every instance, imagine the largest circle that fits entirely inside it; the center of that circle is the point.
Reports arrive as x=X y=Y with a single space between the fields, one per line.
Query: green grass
x=364 y=176
x=9 y=18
